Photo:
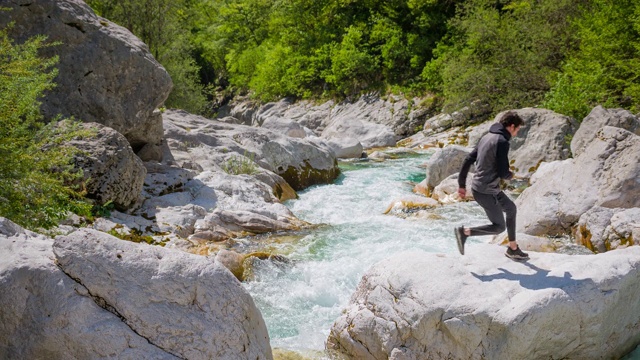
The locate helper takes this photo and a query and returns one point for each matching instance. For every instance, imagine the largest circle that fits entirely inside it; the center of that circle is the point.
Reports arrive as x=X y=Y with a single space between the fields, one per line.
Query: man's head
x=512 y=122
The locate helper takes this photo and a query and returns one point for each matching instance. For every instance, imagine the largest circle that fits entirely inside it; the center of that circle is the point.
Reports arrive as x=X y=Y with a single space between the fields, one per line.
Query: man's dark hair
x=511 y=118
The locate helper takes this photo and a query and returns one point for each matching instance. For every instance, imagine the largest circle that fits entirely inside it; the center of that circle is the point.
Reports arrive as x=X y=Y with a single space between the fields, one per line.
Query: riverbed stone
x=48 y=315
x=602 y=229
x=418 y=305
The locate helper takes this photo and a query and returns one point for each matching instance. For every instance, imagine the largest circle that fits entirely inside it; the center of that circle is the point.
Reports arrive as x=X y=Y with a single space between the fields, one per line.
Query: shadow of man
x=536 y=281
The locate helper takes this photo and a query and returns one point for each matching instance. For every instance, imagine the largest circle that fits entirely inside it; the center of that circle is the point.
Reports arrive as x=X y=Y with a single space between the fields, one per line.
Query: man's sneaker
x=516 y=254
x=461 y=238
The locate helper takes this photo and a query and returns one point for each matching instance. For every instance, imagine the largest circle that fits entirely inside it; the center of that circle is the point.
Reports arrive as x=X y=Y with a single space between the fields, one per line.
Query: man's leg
x=510 y=210
x=493 y=208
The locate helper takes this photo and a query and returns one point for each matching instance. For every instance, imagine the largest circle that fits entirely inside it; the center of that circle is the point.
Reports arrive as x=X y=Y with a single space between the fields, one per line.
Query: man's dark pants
x=494 y=206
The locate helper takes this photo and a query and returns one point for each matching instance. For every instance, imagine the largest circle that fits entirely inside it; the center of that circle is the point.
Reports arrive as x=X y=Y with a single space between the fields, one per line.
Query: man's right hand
x=462 y=192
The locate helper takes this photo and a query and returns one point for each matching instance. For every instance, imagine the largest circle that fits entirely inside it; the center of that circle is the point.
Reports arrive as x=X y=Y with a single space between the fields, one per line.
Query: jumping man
x=492 y=164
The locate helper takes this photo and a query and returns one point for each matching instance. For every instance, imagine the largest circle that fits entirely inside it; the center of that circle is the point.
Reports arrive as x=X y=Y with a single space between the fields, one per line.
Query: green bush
x=605 y=68
x=36 y=169
x=238 y=165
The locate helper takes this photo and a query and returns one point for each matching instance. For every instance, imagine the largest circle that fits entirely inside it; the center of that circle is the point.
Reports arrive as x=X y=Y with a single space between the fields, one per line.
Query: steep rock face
x=106 y=74
x=606 y=174
x=112 y=172
x=438 y=306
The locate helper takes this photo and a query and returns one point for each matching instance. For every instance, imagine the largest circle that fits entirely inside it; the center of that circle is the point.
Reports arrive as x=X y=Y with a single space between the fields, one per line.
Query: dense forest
x=566 y=55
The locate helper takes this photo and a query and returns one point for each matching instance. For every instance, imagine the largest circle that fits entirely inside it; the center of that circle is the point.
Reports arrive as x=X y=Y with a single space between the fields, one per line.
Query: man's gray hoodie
x=491 y=159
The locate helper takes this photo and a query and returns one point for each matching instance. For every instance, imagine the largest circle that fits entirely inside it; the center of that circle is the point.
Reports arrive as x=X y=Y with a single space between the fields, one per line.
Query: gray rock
x=189 y=305
x=596 y=120
x=342 y=148
x=369 y=134
x=605 y=174
x=602 y=229
x=543 y=138
x=112 y=172
x=213 y=144
x=106 y=74
x=434 y=306
x=447 y=191
x=47 y=315
x=445 y=162
x=286 y=127
x=468 y=115
x=370 y=119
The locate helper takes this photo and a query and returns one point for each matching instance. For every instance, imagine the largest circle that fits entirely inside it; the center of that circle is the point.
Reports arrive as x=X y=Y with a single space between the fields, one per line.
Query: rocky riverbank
x=192 y=185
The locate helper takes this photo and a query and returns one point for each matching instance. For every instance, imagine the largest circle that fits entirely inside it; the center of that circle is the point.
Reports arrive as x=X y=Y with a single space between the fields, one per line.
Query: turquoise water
x=300 y=300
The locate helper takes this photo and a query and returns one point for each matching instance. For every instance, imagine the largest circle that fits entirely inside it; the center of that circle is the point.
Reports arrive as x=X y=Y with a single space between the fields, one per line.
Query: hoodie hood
x=498 y=128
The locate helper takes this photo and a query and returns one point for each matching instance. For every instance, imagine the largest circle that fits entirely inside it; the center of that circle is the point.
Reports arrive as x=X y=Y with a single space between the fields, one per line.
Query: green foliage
x=567 y=55
x=501 y=53
x=164 y=26
x=237 y=165
x=36 y=170
x=103 y=210
x=605 y=69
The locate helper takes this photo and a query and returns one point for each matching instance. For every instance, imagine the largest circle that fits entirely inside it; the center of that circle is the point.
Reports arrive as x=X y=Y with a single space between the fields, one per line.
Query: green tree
x=164 y=25
x=36 y=169
x=501 y=52
x=605 y=68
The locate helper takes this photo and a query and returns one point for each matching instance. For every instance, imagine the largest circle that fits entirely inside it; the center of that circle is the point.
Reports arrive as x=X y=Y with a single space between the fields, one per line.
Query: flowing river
x=300 y=300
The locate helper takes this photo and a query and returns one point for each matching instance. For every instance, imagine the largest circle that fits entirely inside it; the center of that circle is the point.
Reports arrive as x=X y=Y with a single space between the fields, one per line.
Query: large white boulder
x=189 y=305
x=418 y=305
x=112 y=172
x=596 y=120
x=48 y=315
x=543 y=138
x=106 y=74
x=444 y=162
x=605 y=174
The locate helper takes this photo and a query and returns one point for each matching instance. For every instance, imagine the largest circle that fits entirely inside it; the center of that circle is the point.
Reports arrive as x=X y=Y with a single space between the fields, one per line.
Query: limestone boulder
x=106 y=74
x=418 y=305
x=447 y=191
x=444 y=162
x=596 y=120
x=368 y=133
x=474 y=113
x=343 y=147
x=189 y=305
x=212 y=144
x=112 y=172
x=544 y=137
x=605 y=174
x=48 y=315
x=286 y=127
x=602 y=229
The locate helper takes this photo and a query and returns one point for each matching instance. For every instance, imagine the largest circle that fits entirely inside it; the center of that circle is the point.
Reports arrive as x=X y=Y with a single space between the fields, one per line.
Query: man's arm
x=502 y=160
x=462 y=177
